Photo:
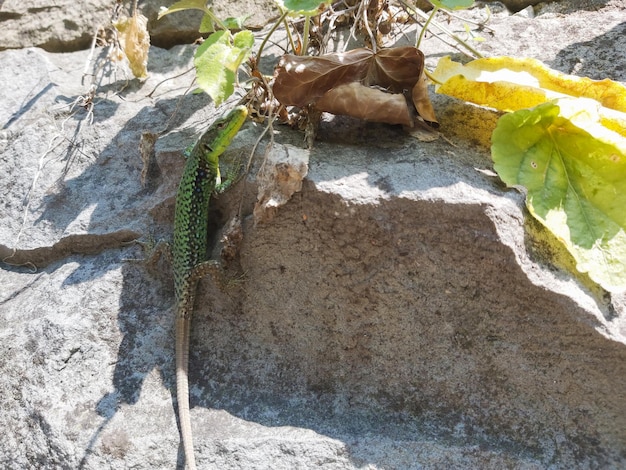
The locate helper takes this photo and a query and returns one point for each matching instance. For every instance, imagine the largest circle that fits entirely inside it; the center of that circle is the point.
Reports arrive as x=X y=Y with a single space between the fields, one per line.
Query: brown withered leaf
x=301 y=80
x=322 y=81
x=135 y=41
x=419 y=96
x=396 y=69
x=371 y=104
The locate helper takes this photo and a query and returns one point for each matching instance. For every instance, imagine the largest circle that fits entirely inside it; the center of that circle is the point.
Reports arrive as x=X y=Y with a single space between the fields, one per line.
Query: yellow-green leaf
x=303 y=7
x=452 y=4
x=235 y=22
x=509 y=84
x=207 y=23
x=243 y=40
x=574 y=170
x=217 y=60
x=184 y=5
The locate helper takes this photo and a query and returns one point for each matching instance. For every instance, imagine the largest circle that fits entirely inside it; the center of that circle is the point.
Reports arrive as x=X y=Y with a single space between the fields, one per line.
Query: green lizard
x=200 y=177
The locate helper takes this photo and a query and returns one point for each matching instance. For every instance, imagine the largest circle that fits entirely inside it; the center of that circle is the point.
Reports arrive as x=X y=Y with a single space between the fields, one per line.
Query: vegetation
x=563 y=139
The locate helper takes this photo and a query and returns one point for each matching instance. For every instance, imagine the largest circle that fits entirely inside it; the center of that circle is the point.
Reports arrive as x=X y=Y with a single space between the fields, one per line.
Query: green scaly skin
x=190 y=245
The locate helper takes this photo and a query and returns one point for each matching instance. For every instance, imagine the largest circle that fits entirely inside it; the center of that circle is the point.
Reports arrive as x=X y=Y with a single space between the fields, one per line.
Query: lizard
x=200 y=177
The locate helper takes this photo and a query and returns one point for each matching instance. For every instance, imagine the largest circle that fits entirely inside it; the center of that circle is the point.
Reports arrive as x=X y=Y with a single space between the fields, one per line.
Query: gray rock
x=66 y=26
x=401 y=311
x=518 y=5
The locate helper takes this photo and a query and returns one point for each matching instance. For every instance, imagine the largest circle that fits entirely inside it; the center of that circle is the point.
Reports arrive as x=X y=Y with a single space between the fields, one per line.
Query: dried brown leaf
x=396 y=69
x=135 y=41
x=371 y=104
x=419 y=95
x=341 y=83
x=301 y=80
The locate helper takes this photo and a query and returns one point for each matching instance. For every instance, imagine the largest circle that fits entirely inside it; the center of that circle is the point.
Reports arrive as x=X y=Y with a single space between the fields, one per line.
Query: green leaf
x=242 y=44
x=243 y=40
x=184 y=5
x=574 y=171
x=302 y=7
x=452 y=4
x=207 y=23
x=213 y=77
x=235 y=22
x=217 y=60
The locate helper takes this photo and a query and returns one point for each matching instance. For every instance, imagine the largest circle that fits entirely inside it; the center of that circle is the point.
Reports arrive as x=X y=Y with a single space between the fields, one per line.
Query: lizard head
x=221 y=133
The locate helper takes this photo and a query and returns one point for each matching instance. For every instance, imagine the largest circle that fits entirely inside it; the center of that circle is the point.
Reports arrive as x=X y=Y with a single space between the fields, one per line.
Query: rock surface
x=66 y=26
x=401 y=311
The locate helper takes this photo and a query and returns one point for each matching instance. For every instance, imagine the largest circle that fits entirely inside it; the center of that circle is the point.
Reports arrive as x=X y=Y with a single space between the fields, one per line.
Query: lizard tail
x=182 y=387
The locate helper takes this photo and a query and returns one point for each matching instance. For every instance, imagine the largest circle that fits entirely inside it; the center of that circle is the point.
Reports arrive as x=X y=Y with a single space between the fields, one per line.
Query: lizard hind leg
x=154 y=250
x=206 y=268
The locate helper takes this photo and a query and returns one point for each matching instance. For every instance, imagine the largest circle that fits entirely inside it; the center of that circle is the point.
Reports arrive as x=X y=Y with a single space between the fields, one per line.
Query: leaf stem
x=305 y=34
x=425 y=27
x=431 y=77
x=289 y=36
x=216 y=20
x=443 y=29
x=269 y=34
x=366 y=25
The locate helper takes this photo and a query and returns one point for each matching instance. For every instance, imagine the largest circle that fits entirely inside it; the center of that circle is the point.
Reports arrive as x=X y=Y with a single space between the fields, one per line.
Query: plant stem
x=305 y=35
x=216 y=20
x=268 y=35
x=421 y=36
x=443 y=29
x=366 y=25
x=431 y=77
